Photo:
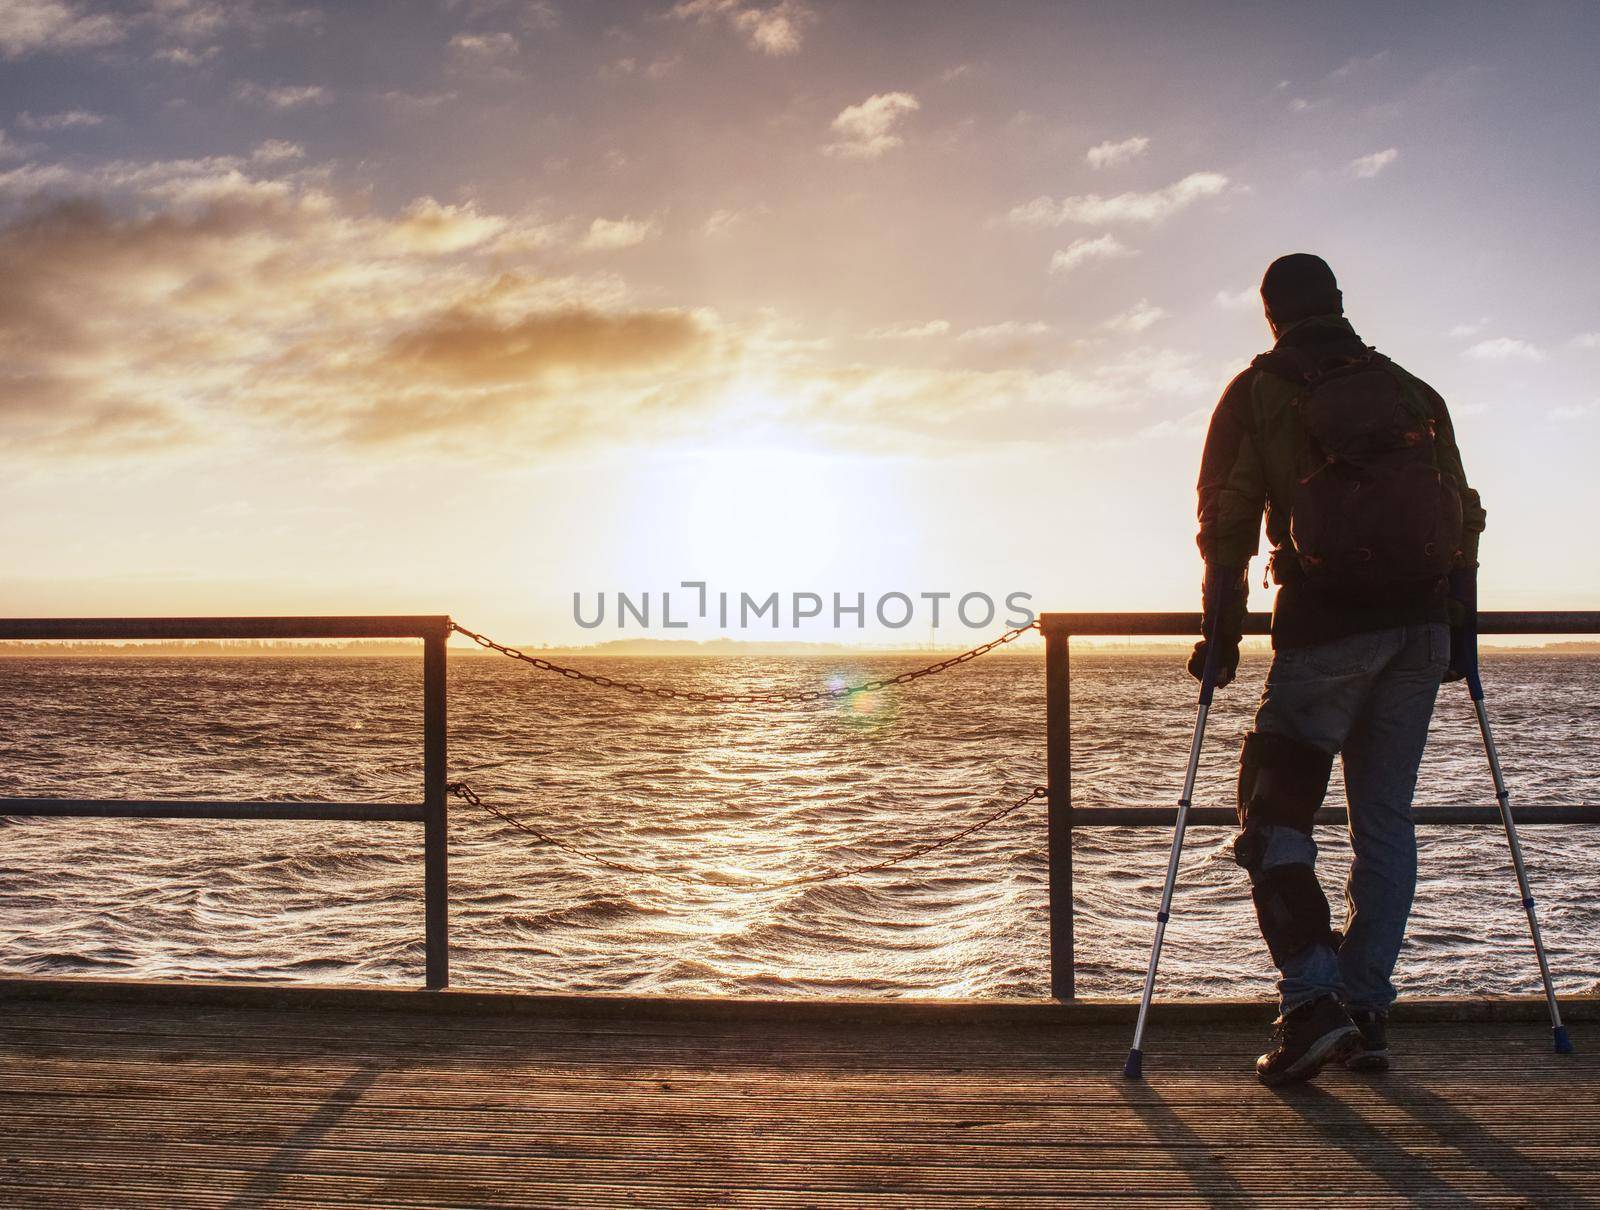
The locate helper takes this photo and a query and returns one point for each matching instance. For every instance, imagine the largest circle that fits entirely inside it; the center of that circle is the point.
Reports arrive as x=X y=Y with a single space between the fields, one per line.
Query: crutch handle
x=1222 y=585
x=1208 y=673
x=1475 y=683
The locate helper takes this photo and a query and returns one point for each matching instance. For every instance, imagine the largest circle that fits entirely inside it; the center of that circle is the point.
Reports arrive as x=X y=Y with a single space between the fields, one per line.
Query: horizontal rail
x=155 y=808
x=1563 y=621
x=1167 y=817
x=396 y=626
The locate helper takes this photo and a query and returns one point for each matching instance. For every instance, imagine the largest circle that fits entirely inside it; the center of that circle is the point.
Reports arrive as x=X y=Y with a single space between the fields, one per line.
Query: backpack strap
x=1303 y=368
x=1289 y=364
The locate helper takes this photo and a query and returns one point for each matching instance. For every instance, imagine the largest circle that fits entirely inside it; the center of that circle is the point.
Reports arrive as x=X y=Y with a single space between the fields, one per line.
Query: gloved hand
x=1463 y=623
x=1227 y=662
x=1221 y=621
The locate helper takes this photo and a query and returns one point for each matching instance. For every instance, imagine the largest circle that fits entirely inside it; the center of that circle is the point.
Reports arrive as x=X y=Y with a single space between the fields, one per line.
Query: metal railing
x=1063 y=817
x=432 y=811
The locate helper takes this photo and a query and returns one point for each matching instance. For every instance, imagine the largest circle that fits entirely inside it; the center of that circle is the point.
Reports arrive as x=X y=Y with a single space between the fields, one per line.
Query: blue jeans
x=1369 y=698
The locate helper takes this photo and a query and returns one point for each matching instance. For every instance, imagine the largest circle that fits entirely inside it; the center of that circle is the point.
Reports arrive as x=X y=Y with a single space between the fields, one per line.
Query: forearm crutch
x=1558 y=1031
x=1133 y=1068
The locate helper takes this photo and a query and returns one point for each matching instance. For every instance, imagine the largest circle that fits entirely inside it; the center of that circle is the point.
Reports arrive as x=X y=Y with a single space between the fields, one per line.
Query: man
x=1374 y=533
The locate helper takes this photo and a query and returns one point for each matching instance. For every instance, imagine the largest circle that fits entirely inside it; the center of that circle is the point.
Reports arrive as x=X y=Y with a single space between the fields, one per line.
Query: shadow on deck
x=254 y=1098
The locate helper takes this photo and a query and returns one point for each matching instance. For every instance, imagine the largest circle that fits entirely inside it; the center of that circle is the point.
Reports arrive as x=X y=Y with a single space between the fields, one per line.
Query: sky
x=468 y=306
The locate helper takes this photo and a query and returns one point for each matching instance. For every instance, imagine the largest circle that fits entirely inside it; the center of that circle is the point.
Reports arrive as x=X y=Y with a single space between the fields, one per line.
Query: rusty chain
x=466 y=793
x=772 y=698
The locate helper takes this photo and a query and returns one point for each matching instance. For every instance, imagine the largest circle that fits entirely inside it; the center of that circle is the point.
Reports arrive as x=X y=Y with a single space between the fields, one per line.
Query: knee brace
x=1281 y=781
x=1292 y=911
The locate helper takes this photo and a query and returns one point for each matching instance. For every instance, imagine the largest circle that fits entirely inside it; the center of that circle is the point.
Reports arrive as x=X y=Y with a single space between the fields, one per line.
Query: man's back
x=1256 y=456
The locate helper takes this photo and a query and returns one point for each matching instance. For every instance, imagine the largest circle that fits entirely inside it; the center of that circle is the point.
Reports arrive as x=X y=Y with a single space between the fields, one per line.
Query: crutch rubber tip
x=1563 y=1043
x=1133 y=1069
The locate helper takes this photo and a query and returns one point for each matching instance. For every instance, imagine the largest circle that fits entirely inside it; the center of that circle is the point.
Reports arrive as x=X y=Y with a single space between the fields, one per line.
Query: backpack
x=1370 y=517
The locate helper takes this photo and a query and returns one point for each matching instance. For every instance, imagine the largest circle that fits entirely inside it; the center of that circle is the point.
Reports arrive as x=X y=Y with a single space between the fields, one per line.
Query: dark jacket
x=1252 y=450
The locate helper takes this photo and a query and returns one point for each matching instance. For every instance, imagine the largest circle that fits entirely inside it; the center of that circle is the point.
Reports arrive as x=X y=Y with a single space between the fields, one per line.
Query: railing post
x=435 y=825
x=1058 y=813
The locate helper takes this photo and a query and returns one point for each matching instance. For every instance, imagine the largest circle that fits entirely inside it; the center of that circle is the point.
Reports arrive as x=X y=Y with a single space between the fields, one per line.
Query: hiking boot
x=1372 y=1052
x=1309 y=1038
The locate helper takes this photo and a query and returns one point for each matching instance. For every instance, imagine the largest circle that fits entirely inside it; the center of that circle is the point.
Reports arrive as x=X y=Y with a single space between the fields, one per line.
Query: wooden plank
x=1437 y=1168
x=107 y=1105
x=481 y=1005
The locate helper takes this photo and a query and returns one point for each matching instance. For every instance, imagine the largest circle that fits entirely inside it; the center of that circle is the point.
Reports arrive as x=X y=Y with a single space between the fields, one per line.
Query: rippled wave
x=729 y=794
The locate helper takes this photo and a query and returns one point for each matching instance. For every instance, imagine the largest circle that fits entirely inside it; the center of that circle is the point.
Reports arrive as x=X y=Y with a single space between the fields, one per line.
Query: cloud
x=1082 y=251
x=720 y=222
x=417 y=102
x=1091 y=208
x=467 y=346
x=1240 y=301
x=39 y=26
x=191 y=21
x=866 y=131
x=1109 y=154
x=938 y=409
x=922 y=331
x=628 y=65
x=607 y=235
x=725 y=221
x=1358 y=65
x=54 y=415
x=1350 y=69
x=1574 y=411
x=1192 y=423
x=277 y=151
x=1506 y=349
x=540 y=14
x=486 y=53
x=959 y=71
x=282 y=96
x=184 y=56
x=248 y=305
x=428 y=227
x=207 y=179
x=1586 y=340
x=163 y=304
x=772 y=29
x=201 y=303
x=1010 y=329
x=1367 y=166
x=533 y=14
x=9 y=149
x=1462 y=331
x=1136 y=318
x=67 y=119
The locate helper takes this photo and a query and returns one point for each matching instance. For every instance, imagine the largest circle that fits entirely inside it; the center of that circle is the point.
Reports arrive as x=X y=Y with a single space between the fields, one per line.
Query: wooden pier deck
x=266 y=1099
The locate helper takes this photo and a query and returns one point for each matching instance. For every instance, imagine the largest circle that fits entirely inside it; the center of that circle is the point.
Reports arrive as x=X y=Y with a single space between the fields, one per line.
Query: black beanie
x=1299 y=286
